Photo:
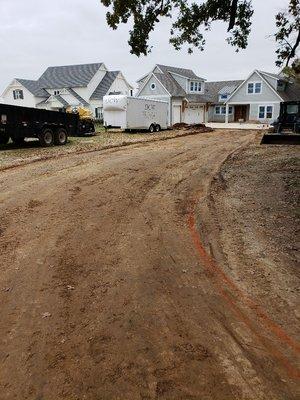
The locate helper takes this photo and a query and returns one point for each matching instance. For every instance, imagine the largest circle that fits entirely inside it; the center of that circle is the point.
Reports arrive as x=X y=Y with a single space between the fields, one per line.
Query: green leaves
x=194 y=18
x=288 y=34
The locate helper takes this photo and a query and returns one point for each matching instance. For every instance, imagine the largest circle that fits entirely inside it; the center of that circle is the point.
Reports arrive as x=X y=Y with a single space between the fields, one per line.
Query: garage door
x=176 y=117
x=194 y=115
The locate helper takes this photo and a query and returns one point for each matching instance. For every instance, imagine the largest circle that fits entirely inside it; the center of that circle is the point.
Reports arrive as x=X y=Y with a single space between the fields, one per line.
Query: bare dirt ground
x=162 y=270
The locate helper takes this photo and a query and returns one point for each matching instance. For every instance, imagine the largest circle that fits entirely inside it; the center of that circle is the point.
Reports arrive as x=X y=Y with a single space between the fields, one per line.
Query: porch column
x=227 y=114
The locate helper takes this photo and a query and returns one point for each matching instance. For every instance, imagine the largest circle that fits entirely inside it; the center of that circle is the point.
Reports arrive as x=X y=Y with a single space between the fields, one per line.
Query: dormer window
x=254 y=88
x=195 y=86
x=18 y=94
x=223 y=97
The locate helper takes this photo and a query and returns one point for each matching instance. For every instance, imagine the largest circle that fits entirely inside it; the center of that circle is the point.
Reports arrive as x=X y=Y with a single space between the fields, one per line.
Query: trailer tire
x=4 y=138
x=60 y=137
x=46 y=138
x=157 y=128
x=151 y=129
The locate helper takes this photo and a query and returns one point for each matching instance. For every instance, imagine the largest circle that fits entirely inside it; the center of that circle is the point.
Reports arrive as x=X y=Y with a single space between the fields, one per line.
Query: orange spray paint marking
x=211 y=265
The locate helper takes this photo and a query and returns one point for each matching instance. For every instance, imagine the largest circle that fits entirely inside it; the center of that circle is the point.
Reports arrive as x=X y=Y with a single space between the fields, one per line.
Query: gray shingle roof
x=79 y=98
x=170 y=84
x=228 y=89
x=198 y=98
x=275 y=76
x=62 y=100
x=104 y=85
x=68 y=76
x=292 y=92
x=213 y=89
x=33 y=87
x=188 y=73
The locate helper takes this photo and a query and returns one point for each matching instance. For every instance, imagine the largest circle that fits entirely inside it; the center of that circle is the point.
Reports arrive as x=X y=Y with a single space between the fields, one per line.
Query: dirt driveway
x=155 y=271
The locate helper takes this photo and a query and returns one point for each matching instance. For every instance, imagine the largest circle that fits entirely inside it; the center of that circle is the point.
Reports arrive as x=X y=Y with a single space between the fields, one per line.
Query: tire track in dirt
x=236 y=298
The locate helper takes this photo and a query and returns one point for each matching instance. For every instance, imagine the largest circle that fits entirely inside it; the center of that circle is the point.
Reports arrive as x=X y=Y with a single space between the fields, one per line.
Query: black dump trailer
x=286 y=129
x=50 y=127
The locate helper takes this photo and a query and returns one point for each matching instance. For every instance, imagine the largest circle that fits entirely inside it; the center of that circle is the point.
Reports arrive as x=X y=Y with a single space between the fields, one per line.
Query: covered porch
x=241 y=113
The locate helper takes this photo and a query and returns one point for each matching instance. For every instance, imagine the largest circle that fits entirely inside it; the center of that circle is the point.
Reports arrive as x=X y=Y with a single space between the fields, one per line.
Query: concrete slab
x=236 y=125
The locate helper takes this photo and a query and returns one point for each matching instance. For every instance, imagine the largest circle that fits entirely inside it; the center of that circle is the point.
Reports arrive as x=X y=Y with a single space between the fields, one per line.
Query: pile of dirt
x=180 y=125
x=192 y=127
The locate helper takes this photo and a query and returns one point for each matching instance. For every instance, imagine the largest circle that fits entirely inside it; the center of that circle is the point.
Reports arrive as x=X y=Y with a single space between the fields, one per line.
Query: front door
x=240 y=113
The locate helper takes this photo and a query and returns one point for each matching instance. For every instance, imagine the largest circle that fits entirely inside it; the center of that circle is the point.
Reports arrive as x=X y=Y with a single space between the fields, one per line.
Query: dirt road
x=158 y=271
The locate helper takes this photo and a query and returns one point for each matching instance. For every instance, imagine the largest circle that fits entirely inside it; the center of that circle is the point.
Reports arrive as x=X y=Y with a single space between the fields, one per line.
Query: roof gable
x=68 y=76
x=249 y=79
x=159 y=90
x=33 y=87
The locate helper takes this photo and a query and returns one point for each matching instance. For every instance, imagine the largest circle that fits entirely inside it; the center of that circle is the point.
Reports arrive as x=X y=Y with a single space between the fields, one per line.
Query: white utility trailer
x=135 y=113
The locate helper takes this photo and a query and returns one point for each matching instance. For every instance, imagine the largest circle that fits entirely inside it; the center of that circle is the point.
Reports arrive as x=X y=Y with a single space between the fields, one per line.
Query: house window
x=153 y=86
x=223 y=96
x=221 y=110
x=56 y=92
x=195 y=86
x=99 y=113
x=265 y=112
x=257 y=87
x=254 y=87
x=269 y=112
x=18 y=94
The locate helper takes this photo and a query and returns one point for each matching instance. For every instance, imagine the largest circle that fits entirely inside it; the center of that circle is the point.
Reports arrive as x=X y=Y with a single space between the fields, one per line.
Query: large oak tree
x=192 y=18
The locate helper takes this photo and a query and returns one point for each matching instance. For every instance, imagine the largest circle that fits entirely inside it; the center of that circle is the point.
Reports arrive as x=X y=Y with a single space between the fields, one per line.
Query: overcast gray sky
x=35 y=34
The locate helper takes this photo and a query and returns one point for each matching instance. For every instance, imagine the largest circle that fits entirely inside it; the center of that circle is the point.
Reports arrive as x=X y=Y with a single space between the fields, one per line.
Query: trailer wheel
x=4 y=138
x=157 y=128
x=61 y=137
x=46 y=138
x=152 y=129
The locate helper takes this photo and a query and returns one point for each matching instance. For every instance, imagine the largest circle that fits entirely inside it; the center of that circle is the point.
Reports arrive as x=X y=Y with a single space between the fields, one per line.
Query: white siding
x=212 y=117
x=158 y=91
x=253 y=113
x=29 y=99
x=120 y=85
